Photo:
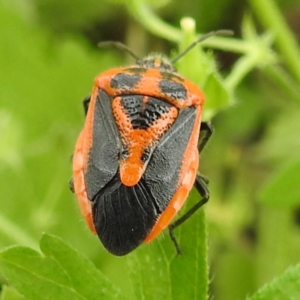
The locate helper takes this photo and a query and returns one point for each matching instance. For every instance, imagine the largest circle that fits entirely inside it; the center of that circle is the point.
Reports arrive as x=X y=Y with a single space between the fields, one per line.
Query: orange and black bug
x=136 y=158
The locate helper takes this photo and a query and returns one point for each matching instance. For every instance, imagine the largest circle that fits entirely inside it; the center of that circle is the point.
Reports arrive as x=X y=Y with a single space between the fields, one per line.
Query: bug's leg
x=200 y=184
x=71 y=185
x=202 y=189
x=86 y=102
x=206 y=130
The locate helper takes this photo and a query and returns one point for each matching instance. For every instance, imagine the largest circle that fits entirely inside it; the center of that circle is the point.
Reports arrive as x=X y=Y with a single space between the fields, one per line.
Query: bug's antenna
x=201 y=39
x=120 y=46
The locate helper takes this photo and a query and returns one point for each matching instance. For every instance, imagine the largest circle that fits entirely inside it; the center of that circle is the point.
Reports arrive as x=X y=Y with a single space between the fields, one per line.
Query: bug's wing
x=163 y=171
x=103 y=161
x=124 y=216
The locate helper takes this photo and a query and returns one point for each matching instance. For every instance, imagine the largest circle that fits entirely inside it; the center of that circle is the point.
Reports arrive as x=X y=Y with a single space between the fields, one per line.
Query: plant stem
x=144 y=15
x=283 y=79
x=241 y=68
x=154 y=24
x=271 y=17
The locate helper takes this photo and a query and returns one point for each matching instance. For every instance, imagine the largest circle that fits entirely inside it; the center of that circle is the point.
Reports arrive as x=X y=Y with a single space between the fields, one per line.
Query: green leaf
x=85 y=277
x=9 y=293
x=283 y=189
x=189 y=272
x=61 y=274
x=149 y=270
x=24 y=266
x=285 y=287
x=217 y=96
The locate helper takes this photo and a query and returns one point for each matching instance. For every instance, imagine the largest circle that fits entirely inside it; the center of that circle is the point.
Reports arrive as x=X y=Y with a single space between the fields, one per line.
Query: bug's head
x=156 y=61
x=159 y=61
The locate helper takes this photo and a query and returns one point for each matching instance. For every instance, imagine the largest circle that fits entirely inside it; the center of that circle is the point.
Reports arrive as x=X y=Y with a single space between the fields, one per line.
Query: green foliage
x=285 y=287
x=252 y=160
x=41 y=81
x=80 y=15
x=60 y=270
x=60 y=273
x=204 y=71
x=284 y=190
x=9 y=293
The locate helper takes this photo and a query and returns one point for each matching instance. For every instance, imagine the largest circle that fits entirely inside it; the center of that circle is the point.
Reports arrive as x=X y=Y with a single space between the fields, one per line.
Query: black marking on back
x=143 y=114
x=173 y=89
x=125 y=81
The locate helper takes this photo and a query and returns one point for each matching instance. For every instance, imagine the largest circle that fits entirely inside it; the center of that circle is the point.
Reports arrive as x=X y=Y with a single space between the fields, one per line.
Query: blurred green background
x=48 y=60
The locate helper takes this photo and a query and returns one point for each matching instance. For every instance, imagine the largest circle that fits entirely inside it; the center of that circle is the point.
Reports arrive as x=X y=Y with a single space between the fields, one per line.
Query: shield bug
x=136 y=159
